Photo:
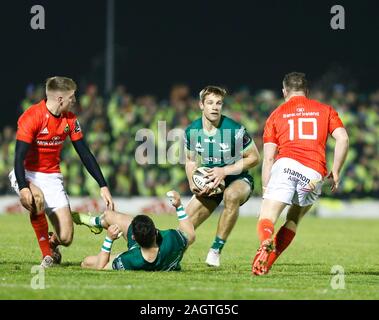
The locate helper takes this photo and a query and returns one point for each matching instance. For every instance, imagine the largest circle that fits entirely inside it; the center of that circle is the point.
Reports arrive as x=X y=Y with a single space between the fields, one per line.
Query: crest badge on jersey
x=66 y=128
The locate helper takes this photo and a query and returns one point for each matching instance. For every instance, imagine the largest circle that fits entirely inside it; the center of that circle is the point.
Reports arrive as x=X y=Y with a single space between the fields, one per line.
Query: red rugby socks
x=265 y=229
x=41 y=229
x=282 y=240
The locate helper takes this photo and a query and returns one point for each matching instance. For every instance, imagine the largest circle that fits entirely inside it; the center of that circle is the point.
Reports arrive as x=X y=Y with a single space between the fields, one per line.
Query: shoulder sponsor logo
x=240 y=133
x=246 y=140
x=44 y=131
x=77 y=126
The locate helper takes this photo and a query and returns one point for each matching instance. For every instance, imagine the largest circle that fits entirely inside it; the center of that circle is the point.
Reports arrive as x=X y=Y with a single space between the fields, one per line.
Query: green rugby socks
x=218 y=244
x=95 y=221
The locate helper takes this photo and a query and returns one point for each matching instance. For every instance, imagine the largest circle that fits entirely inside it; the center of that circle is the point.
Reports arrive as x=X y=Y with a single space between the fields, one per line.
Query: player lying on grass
x=294 y=165
x=224 y=146
x=149 y=249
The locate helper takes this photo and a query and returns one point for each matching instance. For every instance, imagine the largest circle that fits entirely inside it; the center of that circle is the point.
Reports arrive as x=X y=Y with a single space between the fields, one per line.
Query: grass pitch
x=302 y=272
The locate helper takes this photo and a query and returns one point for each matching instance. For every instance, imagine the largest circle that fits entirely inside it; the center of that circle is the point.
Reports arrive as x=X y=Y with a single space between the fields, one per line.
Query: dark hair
x=144 y=231
x=295 y=81
x=218 y=91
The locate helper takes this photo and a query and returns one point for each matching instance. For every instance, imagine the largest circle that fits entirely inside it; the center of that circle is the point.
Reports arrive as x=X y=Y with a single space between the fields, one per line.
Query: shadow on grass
x=363 y=273
x=70 y=264
x=298 y=264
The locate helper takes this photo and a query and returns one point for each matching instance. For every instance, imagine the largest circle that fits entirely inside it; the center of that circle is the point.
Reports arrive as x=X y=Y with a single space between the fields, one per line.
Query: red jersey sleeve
x=269 y=134
x=334 y=121
x=27 y=127
x=75 y=129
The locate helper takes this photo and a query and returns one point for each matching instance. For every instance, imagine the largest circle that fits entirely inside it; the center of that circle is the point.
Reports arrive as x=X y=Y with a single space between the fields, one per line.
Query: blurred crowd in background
x=110 y=126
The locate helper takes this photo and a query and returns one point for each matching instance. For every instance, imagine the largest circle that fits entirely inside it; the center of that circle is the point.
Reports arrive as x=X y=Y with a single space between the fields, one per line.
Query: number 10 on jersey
x=301 y=134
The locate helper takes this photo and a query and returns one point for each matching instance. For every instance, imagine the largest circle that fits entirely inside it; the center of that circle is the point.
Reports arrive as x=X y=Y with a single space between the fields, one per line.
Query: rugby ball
x=200 y=180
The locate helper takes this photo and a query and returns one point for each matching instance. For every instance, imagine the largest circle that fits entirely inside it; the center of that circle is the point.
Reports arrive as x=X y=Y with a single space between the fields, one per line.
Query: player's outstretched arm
x=89 y=161
x=100 y=261
x=185 y=224
x=340 y=152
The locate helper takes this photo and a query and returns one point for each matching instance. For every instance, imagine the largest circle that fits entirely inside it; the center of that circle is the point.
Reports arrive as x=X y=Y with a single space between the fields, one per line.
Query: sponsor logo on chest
x=224 y=147
x=51 y=137
x=199 y=147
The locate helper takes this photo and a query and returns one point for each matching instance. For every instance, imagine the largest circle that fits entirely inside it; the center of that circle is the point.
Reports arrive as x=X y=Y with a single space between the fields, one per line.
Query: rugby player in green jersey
x=223 y=145
x=149 y=249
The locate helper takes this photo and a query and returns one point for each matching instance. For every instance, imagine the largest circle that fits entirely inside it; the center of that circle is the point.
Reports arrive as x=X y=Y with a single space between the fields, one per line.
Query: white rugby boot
x=213 y=258
x=47 y=262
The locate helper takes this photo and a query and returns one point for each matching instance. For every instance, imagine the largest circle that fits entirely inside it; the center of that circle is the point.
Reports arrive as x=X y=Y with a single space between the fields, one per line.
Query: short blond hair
x=218 y=91
x=60 y=84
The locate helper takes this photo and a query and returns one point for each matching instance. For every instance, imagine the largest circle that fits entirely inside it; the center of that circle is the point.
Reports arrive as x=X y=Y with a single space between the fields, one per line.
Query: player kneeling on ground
x=149 y=249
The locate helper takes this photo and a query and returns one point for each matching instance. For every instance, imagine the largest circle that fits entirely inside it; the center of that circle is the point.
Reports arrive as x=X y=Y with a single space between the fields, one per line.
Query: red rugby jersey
x=300 y=128
x=46 y=134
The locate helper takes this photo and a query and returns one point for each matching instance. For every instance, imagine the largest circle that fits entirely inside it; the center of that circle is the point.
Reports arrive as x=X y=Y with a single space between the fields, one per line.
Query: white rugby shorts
x=51 y=185
x=289 y=183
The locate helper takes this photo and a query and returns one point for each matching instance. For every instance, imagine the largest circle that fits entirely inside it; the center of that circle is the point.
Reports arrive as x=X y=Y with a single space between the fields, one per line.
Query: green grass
x=302 y=272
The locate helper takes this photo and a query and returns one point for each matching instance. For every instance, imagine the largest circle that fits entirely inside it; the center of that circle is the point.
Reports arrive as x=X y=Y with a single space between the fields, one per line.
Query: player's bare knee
x=66 y=239
x=191 y=238
x=39 y=202
x=231 y=198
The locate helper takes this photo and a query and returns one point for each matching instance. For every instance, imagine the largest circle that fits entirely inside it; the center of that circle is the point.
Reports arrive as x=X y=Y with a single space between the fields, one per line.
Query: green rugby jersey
x=223 y=147
x=172 y=244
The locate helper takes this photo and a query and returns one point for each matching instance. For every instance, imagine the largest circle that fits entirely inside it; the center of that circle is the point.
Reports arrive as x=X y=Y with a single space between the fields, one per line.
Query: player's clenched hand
x=26 y=199
x=193 y=188
x=174 y=197
x=206 y=191
x=215 y=176
x=313 y=184
x=113 y=231
x=106 y=195
x=335 y=180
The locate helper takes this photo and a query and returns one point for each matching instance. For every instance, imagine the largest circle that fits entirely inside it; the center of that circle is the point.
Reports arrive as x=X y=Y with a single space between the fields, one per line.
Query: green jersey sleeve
x=187 y=140
x=243 y=139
